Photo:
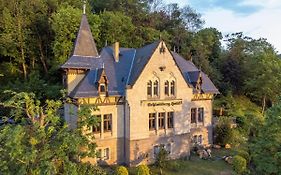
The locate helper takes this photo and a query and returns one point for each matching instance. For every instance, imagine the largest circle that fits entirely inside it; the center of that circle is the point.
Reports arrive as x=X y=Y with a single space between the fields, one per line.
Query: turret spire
x=85 y=44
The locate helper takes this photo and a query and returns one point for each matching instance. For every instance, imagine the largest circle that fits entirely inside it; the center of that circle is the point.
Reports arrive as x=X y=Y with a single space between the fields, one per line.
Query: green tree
x=115 y=26
x=265 y=150
x=15 y=31
x=39 y=142
x=206 y=48
x=65 y=23
x=223 y=131
x=263 y=82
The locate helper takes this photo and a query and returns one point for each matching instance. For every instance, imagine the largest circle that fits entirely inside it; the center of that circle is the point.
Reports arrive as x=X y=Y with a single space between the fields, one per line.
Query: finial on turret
x=84 y=8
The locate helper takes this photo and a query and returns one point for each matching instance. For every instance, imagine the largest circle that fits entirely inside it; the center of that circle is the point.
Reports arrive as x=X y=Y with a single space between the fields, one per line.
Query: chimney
x=116 y=51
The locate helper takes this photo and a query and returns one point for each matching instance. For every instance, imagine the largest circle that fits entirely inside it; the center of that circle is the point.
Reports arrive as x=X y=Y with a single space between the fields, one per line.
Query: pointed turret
x=85 y=44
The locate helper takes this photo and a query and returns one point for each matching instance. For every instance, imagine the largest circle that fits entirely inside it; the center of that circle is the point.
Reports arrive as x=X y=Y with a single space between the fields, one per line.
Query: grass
x=196 y=166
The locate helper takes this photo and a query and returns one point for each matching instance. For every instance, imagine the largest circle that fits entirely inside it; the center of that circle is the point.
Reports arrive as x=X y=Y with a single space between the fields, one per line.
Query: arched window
x=172 y=88
x=155 y=88
x=167 y=88
x=149 y=88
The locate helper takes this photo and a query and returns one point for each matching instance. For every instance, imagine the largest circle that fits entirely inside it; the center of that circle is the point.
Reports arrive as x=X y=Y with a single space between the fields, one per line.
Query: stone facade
x=161 y=108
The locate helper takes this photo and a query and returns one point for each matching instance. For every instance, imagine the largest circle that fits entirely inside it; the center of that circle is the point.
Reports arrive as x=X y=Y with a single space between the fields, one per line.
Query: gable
x=161 y=61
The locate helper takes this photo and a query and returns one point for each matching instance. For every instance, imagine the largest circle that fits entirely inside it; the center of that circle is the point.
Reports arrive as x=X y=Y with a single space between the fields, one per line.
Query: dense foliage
x=37 y=36
x=143 y=170
x=266 y=147
x=121 y=170
x=35 y=140
x=239 y=164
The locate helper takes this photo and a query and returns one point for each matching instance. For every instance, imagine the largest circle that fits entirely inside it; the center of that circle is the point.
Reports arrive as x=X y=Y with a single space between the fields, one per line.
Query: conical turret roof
x=85 y=44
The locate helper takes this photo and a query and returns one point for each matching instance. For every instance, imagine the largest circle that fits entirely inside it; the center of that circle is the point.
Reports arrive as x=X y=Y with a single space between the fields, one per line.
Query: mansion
x=147 y=98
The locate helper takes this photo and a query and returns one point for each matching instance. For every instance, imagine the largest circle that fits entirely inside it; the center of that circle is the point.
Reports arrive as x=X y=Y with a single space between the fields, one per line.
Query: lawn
x=197 y=166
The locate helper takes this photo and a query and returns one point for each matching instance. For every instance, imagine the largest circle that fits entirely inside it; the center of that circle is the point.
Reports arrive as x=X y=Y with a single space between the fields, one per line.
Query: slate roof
x=84 y=50
x=191 y=73
x=85 y=44
x=116 y=72
x=124 y=72
x=141 y=59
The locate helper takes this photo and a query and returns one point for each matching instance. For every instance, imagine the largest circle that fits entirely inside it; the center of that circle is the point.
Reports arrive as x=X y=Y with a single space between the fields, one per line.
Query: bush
x=86 y=168
x=174 y=166
x=239 y=164
x=121 y=170
x=244 y=154
x=143 y=170
x=223 y=131
x=161 y=158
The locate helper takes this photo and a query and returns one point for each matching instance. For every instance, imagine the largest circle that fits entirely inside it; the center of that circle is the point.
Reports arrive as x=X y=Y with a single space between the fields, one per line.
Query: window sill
x=170 y=97
x=198 y=124
x=153 y=97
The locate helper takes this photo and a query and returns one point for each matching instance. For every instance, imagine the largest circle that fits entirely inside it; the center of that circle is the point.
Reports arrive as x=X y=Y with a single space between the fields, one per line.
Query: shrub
x=143 y=170
x=86 y=168
x=223 y=131
x=121 y=170
x=161 y=158
x=244 y=154
x=239 y=164
x=174 y=166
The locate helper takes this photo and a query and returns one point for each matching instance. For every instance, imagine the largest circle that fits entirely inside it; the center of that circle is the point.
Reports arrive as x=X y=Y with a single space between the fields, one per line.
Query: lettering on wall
x=163 y=103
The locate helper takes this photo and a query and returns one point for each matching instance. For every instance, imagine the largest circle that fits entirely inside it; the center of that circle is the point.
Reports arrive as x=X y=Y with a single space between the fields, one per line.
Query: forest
x=37 y=36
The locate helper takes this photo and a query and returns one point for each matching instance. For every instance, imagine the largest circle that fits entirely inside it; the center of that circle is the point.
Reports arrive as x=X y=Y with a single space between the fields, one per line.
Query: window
x=173 y=88
x=156 y=149
x=195 y=138
x=149 y=88
x=193 y=115
x=170 y=119
x=167 y=88
x=155 y=88
x=97 y=127
x=102 y=88
x=98 y=153
x=200 y=114
x=168 y=148
x=106 y=153
x=200 y=139
x=107 y=118
x=161 y=120
x=152 y=120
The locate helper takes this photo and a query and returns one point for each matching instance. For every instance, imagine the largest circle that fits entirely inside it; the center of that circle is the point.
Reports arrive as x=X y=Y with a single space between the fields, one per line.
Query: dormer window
x=103 y=83
x=102 y=88
x=199 y=84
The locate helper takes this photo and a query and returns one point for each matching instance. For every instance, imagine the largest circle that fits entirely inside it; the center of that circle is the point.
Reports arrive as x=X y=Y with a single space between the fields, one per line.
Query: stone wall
x=142 y=151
